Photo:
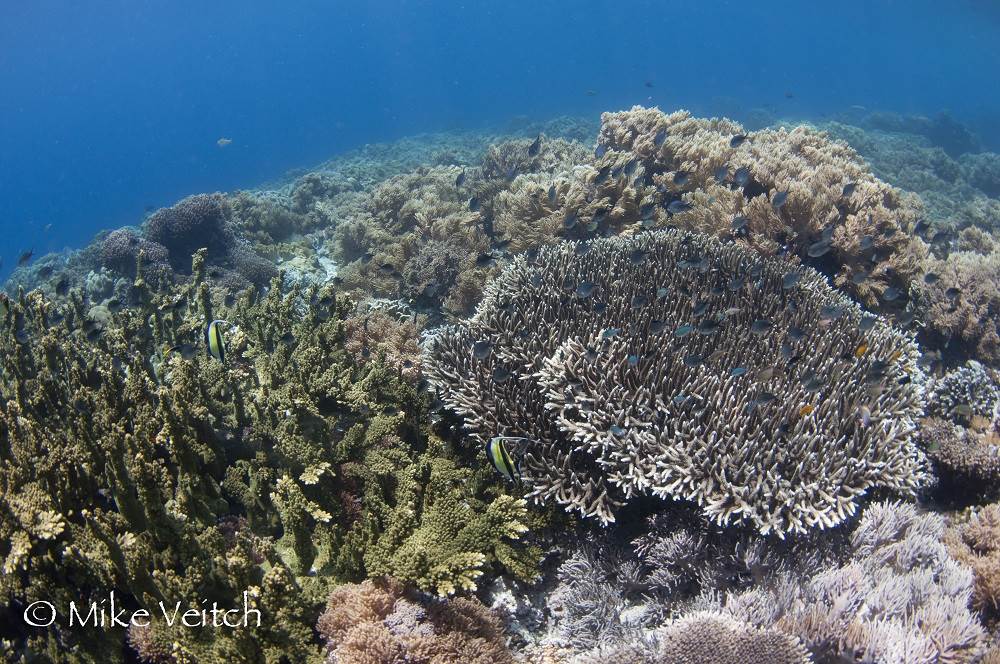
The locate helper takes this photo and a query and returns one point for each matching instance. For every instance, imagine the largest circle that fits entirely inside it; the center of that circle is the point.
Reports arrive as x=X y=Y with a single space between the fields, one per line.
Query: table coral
x=615 y=400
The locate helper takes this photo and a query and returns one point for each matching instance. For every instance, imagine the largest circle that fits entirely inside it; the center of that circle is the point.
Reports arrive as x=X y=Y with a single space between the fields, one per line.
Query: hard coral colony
x=701 y=358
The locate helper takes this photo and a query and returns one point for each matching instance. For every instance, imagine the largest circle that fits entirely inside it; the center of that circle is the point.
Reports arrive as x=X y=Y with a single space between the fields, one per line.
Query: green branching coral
x=131 y=460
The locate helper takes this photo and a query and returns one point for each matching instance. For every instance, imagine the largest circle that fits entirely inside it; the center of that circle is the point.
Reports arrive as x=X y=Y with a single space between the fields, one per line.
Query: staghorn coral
x=612 y=403
x=706 y=637
x=380 y=622
x=963 y=305
x=392 y=335
x=976 y=543
x=122 y=465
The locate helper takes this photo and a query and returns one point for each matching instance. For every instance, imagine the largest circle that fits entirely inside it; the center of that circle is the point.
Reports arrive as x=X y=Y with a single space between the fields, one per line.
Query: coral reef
x=976 y=543
x=898 y=598
x=965 y=393
x=195 y=222
x=967 y=462
x=379 y=622
x=663 y=367
x=120 y=251
x=963 y=305
x=706 y=638
x=167 y=475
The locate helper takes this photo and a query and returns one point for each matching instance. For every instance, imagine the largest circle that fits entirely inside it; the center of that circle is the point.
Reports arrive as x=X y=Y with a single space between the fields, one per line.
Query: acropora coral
x=671 y=364
x=169 y=476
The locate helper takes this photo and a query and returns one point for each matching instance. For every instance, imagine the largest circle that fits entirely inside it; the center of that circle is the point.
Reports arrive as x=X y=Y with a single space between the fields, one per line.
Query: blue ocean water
x=108 y=107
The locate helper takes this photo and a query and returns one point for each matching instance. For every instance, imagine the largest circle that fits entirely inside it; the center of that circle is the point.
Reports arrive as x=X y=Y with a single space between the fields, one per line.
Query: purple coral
x=120 y=249
x=195 y=222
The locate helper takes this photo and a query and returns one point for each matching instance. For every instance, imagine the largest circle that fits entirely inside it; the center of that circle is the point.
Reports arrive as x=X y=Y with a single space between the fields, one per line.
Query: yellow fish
x=861 y=350
x=499 y=456
x=215 y=341
x=223 y=142
x=806 y=410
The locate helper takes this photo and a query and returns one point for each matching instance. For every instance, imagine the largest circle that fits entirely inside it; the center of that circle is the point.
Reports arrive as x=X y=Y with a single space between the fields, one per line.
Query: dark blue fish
x=585 y=289
x=761 y=326
x=818 y=249
x=699 y=309
x=569 y=221
x=742 y=176
x=867 y=323
x=616 y=430
x=600 y=151
x=474 y=204
x=552 y=193
x=602 y=174
x=867 y=242
x=582 y=249
x=633 y=360
x=694 y=359
x=737 y=140
x=681 y=178
x=736 y=372
x=661 y=292
x=708 y=327
x=637 y=256
x=630 y=167
x=481 y=349
x=460 y=180
x=660 y=137
x=639 y=301
x=535 y=147
x=683 y=331
x=656 y=326
x=891 y=294
x=501 y=375
x=779 y=200
x=739 y=223
x=848 y=190
x=790 y=279
x=930 y=278
x=485 y=260
x=721 y=173
x=646 y=210
x=610 y=333
x=678 y=206
x=831 y=312
x=796 y=333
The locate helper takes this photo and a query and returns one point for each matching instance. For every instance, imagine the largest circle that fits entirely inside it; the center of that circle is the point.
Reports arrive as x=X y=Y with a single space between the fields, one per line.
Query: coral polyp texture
x=671 y=364
x=381 y=622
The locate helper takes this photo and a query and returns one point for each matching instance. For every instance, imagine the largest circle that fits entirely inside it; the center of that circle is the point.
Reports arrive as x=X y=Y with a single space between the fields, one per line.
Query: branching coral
x=964 y=304
x=806 y=166
x=967 y=462
x=900 y=598
x=673 y=365
x=124 y=463
x=976 y=543
x=706 y=638
x=380 y=622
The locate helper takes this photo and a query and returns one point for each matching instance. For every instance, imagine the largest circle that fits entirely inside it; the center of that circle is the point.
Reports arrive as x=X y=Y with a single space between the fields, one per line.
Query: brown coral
x=707 y=637
x=964 y=304
x=802 y=163
x=977 y=544
x=967 y=462
x=380 y=622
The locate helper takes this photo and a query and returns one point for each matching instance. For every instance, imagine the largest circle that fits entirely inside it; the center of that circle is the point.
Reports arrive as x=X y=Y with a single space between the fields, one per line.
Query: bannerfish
x=499 y=456
x=215 y=341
